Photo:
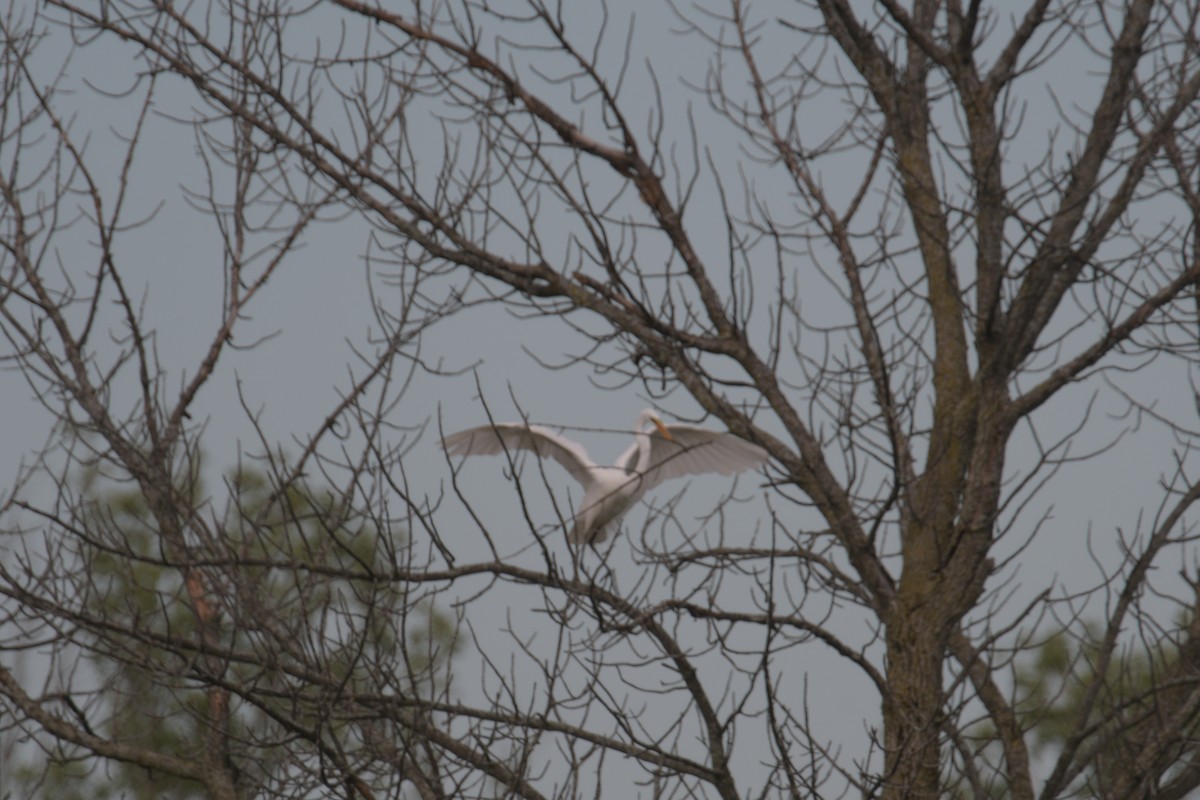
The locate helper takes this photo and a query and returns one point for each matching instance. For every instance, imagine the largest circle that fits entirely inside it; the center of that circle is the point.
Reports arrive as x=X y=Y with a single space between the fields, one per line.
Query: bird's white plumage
x=656 y=455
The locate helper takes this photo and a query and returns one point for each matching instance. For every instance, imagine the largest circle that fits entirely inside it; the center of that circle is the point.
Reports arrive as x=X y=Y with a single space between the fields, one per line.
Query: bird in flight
x=659 y=452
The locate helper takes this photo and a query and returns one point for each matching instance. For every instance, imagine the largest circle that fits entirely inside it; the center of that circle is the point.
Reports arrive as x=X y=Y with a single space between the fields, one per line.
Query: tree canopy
x=939 y=260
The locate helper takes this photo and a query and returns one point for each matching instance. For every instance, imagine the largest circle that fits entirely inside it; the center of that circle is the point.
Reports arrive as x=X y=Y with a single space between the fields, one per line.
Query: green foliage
x=1130 y=696
x=297 y=580
x=1053 y=688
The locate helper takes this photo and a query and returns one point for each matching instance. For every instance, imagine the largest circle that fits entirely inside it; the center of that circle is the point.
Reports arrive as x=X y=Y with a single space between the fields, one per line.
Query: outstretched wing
x=490 y=440
x=692 y=451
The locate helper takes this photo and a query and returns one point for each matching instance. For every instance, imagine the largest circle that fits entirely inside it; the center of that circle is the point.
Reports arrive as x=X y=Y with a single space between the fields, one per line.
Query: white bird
x=656 y=455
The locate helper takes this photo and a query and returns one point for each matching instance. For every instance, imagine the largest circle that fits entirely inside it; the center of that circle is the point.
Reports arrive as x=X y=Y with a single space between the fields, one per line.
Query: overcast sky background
x=318 y=308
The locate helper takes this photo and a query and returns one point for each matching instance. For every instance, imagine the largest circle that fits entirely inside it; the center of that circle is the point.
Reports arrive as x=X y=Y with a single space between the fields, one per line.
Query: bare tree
x=917 y=253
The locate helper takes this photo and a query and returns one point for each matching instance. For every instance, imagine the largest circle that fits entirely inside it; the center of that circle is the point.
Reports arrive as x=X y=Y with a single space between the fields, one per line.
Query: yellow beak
x=662 y=429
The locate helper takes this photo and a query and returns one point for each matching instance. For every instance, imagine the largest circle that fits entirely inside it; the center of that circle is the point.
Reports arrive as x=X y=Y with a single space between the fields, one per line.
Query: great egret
x=656 y=455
